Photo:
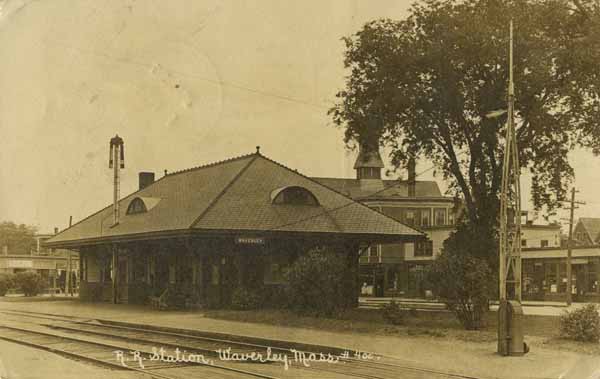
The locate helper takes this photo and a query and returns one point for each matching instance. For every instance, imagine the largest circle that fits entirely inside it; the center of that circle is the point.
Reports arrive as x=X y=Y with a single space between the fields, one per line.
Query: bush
x=6 y=283
x=319 y=283
x=29 y=282
x=244 y=299
x=581 y=324
x=462 y=277
x=393 y=313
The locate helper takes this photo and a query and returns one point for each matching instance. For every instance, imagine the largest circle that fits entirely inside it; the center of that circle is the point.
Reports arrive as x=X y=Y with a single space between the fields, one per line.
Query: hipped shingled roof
x=233 y=196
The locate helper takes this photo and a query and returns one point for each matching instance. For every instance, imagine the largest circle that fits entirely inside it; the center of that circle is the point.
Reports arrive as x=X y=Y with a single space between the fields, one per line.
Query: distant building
x=587 y=231
x=545 y=273
x=545 y=267
x=399 y=269
x=53 y=265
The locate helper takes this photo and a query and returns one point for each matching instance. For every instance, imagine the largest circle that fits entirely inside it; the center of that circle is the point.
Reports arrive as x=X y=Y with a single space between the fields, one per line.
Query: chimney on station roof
x=145 y=179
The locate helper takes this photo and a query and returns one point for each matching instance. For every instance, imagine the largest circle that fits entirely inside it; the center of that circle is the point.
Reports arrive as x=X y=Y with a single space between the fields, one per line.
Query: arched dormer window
x=141 y=205
x=294 y=195
x=136 y=206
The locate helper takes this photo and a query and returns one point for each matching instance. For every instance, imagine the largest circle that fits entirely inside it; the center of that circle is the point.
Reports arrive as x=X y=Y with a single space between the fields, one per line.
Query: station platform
x=459 y=357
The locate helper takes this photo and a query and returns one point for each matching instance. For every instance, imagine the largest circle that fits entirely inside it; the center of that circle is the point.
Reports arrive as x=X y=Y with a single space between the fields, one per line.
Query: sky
x=184 y=83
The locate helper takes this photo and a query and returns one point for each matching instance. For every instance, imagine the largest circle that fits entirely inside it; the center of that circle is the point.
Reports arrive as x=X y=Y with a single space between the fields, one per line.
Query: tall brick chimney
x=145 y=179
x=412 y=177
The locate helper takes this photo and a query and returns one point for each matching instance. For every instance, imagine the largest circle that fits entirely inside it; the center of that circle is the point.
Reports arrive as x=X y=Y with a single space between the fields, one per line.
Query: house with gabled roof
x=206 y=231
x=399 y=269
x=587 y=231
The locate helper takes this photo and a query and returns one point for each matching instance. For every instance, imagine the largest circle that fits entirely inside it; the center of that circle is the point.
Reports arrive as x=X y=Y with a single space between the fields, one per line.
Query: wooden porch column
x=115 y=274
x=354 y=273
x=80 y=272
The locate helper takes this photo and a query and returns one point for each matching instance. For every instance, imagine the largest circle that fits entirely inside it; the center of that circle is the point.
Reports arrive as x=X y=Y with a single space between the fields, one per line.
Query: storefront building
x=545 y=274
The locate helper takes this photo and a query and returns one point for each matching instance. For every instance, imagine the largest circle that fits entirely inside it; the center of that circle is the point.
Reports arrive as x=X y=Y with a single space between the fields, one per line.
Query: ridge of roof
x=339 y=193
x=387 y=181
x=212 y=164
x=227 y=186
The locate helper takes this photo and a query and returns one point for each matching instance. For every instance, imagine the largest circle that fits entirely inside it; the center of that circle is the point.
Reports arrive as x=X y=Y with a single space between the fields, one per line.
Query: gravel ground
x=23 y=362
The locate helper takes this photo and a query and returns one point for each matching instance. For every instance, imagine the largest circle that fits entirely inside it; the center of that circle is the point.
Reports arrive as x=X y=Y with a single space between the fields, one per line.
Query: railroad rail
x=96 y=342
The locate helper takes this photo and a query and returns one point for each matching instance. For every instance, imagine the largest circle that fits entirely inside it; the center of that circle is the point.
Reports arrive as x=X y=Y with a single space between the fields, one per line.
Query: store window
x=592 y=280
x=551 y=275
x=562 y=277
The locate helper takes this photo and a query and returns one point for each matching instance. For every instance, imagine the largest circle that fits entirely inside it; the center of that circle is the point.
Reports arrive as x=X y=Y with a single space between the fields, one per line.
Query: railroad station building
x=203 y=232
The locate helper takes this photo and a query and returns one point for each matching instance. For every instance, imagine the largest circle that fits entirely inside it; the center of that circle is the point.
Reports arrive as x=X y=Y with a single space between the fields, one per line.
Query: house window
x=451 y=218
x=544 y=243
x=425 y=217
x=409 y=217
x=424 y=249
x=524 y=243
x=439 y=215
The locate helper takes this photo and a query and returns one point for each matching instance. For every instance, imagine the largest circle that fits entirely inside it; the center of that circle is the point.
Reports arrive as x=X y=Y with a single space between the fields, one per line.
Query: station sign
x=250 y=240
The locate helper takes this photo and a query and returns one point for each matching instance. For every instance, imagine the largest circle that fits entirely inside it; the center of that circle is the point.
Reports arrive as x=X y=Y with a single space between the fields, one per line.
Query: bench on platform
x=159 y=302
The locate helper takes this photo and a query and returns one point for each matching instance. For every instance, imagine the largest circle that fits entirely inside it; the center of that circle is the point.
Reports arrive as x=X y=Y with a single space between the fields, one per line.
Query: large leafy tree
x=18 y=239
x=424 y=85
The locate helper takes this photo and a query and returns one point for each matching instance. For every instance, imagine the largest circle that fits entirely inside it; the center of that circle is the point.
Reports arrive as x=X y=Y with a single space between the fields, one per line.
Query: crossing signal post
x=510 y=330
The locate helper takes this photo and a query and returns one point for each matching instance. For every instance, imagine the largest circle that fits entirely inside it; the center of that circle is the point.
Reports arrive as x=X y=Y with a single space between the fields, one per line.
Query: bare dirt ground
x=22 y=362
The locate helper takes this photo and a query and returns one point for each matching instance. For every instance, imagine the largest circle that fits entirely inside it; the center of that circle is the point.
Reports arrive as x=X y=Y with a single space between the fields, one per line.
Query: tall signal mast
x=116 y=161
x=510 y=202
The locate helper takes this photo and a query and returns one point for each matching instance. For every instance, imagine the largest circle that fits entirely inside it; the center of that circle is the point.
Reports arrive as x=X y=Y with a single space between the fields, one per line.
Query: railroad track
x=91 y=341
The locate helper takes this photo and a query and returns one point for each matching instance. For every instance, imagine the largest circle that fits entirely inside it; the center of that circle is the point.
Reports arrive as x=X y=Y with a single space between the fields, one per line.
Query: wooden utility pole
x=570 y=246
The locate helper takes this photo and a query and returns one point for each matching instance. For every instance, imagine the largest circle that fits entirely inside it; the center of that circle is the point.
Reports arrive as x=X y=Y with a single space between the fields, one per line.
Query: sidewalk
x=475 y=359
x=540 y=308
